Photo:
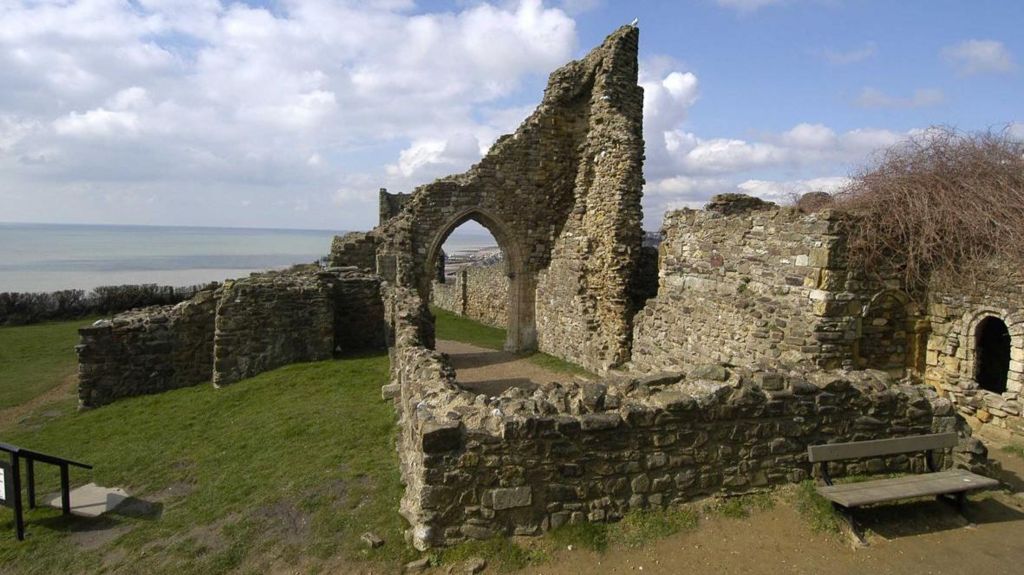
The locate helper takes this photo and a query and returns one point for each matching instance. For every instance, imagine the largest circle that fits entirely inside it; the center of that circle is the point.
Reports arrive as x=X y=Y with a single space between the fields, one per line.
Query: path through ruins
x=489 y=371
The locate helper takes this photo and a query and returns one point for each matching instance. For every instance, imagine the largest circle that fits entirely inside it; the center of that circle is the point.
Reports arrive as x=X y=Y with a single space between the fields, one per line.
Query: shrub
x=26 y=308
x=940 y=204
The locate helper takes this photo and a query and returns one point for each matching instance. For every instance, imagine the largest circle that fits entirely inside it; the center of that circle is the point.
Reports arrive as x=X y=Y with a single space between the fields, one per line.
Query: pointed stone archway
x=521 y=325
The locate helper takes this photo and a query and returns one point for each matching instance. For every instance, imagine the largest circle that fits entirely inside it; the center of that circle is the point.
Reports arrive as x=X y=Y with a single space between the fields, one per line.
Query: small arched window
x=992 y=354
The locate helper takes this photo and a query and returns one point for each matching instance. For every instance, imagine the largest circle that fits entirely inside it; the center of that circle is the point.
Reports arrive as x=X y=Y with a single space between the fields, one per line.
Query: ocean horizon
x=45 y=257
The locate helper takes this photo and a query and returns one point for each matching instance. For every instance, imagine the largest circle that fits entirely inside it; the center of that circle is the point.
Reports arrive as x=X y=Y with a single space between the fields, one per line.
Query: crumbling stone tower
x=561 y=196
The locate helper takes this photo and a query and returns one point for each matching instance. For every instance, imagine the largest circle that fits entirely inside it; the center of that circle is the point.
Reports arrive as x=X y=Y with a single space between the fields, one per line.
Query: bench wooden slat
x=883 y=490
x=861 y=449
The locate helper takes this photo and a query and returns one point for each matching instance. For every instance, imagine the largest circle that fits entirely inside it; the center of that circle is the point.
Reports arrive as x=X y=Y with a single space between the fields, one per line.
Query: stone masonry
x=477 y=466
x=746 y=282
x=955 y=312
x=242 y=328
x=147 y=351
x=562 y=198
x=479 y=292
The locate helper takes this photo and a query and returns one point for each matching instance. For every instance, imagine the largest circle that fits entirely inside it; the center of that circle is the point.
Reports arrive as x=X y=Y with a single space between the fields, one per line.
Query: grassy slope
x=35 y=358
x=288 y=467
x=458 y=328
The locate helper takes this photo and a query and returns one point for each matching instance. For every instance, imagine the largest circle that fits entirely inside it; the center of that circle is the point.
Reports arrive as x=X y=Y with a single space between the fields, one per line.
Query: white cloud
x=875 y=98
x=842 y=58
x=226 y=102
x=1015 y=130
x=979 y=56
x=99 y=122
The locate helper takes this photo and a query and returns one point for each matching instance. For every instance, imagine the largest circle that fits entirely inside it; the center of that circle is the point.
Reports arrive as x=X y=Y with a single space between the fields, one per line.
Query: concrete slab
x=90 y=500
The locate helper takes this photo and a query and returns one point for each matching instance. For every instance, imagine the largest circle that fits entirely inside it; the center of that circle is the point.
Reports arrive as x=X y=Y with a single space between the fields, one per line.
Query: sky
x=292 y=113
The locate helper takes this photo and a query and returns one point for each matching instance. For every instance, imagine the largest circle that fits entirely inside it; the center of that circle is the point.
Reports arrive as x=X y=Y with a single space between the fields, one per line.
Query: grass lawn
x=286 y=469
x=459 y=328
x=36 y=358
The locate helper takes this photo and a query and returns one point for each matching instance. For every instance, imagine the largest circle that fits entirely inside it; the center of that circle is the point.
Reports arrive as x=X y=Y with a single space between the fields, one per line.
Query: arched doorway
x=520 y=325
x=992 y=354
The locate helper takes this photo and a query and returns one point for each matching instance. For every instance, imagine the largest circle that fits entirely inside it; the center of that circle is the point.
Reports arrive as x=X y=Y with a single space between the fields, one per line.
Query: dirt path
x=64 y=390
x=926 y=537
x=492 y=372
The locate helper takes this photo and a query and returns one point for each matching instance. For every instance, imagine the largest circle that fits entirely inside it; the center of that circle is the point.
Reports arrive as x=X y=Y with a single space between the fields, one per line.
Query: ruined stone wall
x=479 y=292
x=477 y=466
x=358 y=311
x=147 y=351
x=272 y=319
x=242 y=328
x=449 y=295
x=355 y=249
x=749 y=283
x=955 y=310
x=562 y=198
x=585 y=297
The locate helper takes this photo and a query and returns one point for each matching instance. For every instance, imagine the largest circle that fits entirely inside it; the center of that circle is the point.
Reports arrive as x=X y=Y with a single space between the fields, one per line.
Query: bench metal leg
x=849 y=526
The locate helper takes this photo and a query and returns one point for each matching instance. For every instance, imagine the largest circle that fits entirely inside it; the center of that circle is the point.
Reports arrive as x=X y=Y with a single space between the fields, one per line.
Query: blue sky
x=292 y=113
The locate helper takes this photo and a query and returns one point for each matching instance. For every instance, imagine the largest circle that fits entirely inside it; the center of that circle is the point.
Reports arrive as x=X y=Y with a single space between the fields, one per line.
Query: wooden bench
x=955 y=483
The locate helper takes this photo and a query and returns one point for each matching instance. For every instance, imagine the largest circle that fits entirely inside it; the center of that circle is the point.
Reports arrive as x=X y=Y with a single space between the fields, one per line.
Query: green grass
x=290 y=466
x=36 y=358
x=740 y=507
x=639 y=528
x=1013 y=449
x=458 y=328
x=816 y=510
x=593 y=536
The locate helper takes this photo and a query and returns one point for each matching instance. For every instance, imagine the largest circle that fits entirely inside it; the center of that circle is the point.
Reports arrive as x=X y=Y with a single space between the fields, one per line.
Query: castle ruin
x=757 y=341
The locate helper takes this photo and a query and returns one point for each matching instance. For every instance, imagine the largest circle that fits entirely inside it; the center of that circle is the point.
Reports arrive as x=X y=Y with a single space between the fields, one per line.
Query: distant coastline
x=46 y=257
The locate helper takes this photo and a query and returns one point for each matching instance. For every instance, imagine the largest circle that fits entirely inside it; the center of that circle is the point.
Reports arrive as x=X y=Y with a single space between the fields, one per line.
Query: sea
x=52 y=257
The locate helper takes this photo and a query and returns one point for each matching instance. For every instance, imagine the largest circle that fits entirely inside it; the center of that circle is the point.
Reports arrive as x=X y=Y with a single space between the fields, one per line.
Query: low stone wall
x=273 y=319
x=477 y=466
x=242 y=328
x=147 y=351
x=479 y=292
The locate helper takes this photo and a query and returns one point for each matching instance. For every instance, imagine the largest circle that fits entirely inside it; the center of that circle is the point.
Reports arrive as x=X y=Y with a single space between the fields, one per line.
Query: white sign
x=3 y=487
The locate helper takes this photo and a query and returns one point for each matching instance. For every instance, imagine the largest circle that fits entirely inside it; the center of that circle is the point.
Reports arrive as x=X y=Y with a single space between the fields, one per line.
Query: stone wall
x=272 y=319
x=479 y=292
x=955 y=310
x=354 y=249
x=244 y=327
x=746 y=282
x=562 y=198
x=358 y=311
x=147 y=351
x=476 y=466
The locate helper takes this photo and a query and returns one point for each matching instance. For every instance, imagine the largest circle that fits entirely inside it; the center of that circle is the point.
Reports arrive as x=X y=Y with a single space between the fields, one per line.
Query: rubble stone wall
x=955 y=310
x=477 y=466
x=562 y=198
x=355 y=249
x=479 y=292
x=242 y=328
x=269 y=320
x=745 y=282
x=147 y=351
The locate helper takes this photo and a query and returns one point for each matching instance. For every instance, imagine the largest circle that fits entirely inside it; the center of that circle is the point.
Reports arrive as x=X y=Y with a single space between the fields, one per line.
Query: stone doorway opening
x=507 y=299
x=992 y=354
